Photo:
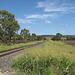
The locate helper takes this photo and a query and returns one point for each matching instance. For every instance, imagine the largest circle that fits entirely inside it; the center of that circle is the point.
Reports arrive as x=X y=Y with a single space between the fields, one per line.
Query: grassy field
x=56 y=58
x=4 y=47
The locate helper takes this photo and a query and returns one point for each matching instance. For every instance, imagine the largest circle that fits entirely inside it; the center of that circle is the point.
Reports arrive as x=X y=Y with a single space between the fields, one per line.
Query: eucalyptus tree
x=25 y=34
x=39 y=38
x=8 y=25
x=33 y=36
x=57 y=37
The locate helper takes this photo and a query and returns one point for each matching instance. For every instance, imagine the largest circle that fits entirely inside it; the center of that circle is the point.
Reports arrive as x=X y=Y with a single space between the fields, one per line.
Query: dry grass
x=55 y=49
x=56 y=58
x=4 y=47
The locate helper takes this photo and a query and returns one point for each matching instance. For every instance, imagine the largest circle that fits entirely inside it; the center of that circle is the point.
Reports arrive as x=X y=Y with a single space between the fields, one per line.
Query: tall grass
x=56 y=58
x=4 y=47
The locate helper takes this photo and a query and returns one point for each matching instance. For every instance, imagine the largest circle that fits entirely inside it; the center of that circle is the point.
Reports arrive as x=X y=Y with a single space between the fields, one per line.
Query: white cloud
x=72 y=27
x=23 y=21
x=67 y=26
x=48 y=22
x=56 y=6
x=28 y=27
x=42 y=16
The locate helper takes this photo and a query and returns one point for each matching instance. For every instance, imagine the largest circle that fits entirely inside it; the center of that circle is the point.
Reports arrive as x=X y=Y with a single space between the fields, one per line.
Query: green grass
x=4 y=47
x=56 y=58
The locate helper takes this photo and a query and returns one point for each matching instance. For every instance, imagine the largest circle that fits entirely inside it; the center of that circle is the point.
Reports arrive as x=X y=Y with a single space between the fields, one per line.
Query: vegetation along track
x=4 y=53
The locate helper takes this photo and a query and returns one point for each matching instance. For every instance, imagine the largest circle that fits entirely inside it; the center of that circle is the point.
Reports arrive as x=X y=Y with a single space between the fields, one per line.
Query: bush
x=44 y=66
x=49 y=60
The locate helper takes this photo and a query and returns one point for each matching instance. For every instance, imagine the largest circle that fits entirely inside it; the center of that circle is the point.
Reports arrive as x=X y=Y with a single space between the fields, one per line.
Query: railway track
x=4 y=53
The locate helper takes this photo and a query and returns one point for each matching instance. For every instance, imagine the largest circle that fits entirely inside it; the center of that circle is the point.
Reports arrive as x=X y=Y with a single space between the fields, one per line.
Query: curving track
x=7 y=58
x=4 y=53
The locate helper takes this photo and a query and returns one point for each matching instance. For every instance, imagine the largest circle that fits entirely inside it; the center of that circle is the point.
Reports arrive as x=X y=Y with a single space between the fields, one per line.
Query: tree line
x=59 y=37
x=9 y=28
x=70 y=38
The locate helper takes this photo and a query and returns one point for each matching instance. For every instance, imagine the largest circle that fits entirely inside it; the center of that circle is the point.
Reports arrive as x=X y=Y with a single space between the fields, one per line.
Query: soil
x=70 y=42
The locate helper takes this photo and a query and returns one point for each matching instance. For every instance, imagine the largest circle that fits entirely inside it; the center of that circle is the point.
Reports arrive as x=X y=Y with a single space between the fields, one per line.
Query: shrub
x=44 y=66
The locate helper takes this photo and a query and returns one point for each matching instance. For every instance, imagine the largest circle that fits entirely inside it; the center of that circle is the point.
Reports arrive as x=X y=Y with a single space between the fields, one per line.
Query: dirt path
x=70 y=42
x=7 y=61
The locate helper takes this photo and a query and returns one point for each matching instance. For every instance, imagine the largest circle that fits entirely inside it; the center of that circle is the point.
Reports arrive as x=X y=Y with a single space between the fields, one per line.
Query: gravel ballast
x=7 y=61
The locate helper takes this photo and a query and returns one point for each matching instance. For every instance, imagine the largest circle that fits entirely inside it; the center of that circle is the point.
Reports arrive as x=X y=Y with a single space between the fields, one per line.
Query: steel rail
x=7 y=52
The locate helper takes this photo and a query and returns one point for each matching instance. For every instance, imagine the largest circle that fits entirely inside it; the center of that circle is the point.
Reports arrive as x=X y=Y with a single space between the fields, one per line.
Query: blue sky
x=43 y=17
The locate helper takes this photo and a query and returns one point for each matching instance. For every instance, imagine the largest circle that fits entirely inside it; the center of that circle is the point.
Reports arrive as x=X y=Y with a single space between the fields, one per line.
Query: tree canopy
x=57 y=37
x=9 y=28
x=8 y=25
x=25 y=34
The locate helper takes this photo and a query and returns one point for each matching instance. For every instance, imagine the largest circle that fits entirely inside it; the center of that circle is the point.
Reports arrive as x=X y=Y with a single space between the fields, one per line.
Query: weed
x=42 y=61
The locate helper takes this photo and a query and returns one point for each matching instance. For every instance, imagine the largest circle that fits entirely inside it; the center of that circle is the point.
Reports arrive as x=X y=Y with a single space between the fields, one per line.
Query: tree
x=44 y=38
x=17 y=37
x=57 y=37
x=33 y=36
x=25 y=34
x=29 y=37
x=70 y=38
x=8 y=26
x=39 y=38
